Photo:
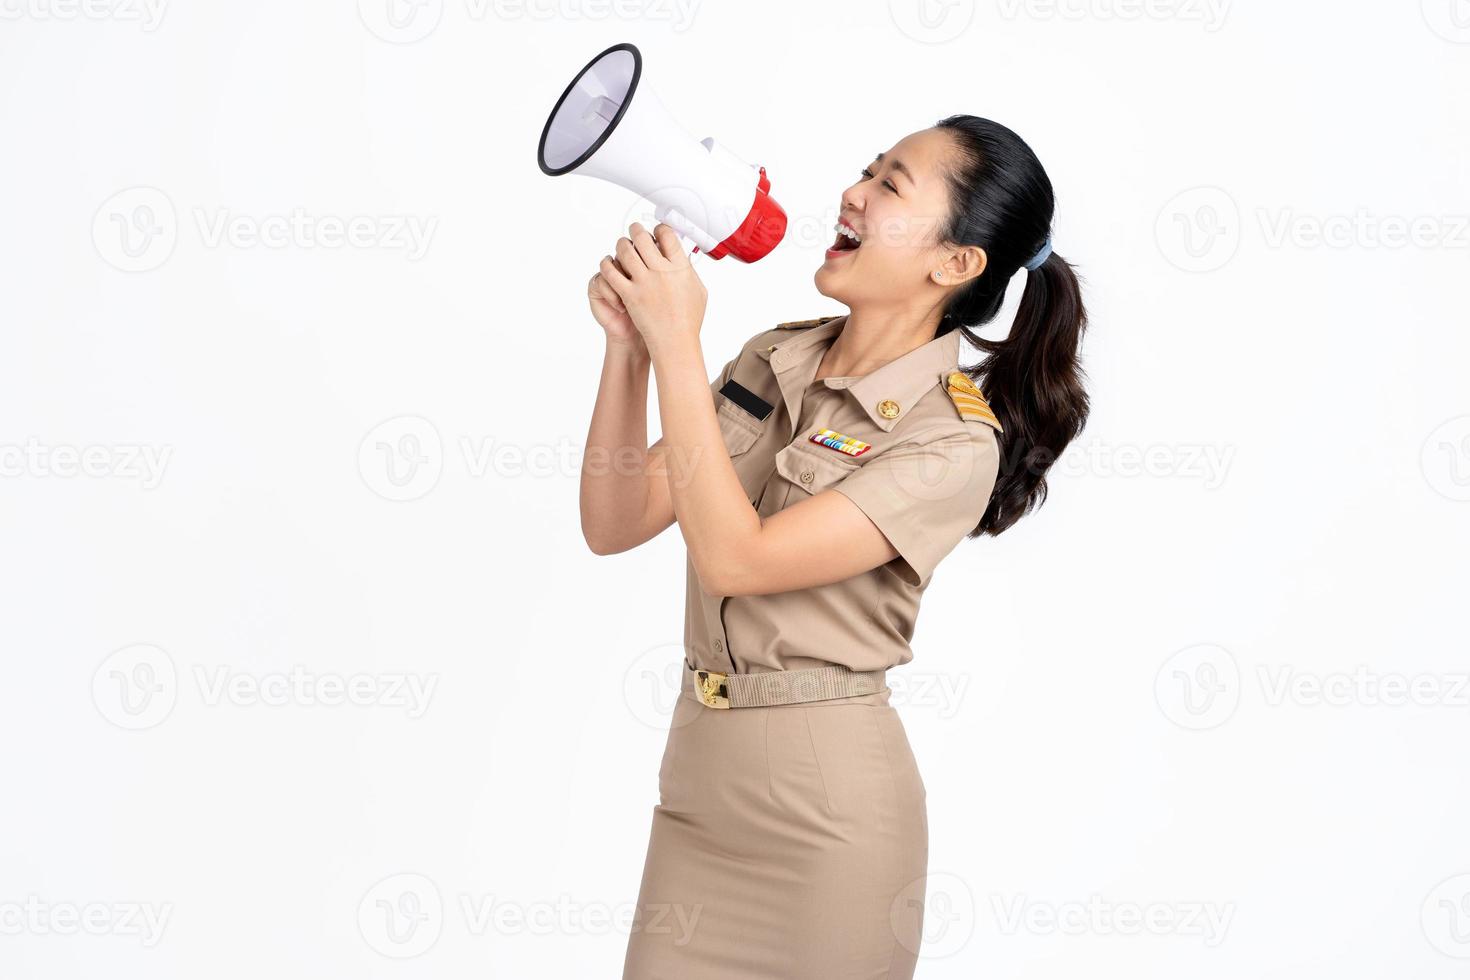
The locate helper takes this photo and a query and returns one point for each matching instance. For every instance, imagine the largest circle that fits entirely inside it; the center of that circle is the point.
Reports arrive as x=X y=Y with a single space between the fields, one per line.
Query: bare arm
x=734 y=552
x=886 y=511
x=624 y=492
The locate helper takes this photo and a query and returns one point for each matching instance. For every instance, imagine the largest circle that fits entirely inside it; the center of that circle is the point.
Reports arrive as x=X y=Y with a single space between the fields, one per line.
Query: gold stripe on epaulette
x=969 y=401
x=799 y=324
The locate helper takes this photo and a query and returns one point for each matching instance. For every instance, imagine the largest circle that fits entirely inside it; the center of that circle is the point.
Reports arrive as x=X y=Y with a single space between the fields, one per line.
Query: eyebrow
x=898 y=165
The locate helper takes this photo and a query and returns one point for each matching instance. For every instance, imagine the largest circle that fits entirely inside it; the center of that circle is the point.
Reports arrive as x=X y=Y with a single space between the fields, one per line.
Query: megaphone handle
x=685 y=227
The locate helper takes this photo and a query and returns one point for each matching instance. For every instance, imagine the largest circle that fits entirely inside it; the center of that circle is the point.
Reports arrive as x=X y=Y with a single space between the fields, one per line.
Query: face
x=888 y=249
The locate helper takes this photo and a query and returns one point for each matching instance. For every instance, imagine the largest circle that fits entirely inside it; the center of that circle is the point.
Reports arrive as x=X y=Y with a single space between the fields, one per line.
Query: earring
x=938 y=275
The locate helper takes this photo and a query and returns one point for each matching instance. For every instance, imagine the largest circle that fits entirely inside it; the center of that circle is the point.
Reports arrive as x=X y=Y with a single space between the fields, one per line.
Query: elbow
x=601 y=544
x=735 y=565
x=724 y=576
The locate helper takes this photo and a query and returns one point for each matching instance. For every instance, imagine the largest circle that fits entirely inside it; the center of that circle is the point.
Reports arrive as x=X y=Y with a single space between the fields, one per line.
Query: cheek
x=896 y=256
x=901 y=238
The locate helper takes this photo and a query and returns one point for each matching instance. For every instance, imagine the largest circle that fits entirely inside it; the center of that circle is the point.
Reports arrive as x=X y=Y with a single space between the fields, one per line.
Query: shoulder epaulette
x=800 y=324
x=969 y=401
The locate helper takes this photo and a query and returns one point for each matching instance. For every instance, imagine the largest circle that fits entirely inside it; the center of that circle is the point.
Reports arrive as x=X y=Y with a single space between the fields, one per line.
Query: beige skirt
x=789 y=842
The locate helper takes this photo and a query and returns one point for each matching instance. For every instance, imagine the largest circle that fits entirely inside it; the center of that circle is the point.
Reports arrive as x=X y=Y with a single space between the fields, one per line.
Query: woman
x=839 y=460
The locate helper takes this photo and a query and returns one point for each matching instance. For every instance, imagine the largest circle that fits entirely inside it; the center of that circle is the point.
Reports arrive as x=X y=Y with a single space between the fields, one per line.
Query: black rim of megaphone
x=597 y=144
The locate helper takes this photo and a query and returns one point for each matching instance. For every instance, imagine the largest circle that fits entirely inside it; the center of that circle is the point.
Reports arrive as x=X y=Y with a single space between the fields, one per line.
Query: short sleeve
x=926 y=495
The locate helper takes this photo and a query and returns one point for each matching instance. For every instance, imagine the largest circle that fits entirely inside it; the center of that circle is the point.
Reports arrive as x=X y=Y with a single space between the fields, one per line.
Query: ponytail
x=1034 y=385
x=1002 y=201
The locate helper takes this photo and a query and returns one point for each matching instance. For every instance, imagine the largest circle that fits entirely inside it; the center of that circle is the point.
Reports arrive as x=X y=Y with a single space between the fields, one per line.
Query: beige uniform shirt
x=925 y=481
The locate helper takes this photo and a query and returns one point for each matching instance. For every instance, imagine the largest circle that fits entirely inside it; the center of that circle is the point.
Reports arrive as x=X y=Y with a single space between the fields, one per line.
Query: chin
x=828 y=284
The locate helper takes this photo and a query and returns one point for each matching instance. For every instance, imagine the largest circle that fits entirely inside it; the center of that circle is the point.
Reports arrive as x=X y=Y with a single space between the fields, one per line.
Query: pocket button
x=806 y=476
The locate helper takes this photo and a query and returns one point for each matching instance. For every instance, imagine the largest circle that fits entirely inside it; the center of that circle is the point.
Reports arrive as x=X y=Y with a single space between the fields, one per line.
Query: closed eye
x=868 y=175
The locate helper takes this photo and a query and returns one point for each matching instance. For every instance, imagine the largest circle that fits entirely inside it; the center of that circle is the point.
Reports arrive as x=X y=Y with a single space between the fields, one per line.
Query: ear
x=964 y=263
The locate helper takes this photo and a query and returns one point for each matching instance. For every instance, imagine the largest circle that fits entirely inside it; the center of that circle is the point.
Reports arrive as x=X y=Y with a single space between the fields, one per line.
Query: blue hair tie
x=1040 y=257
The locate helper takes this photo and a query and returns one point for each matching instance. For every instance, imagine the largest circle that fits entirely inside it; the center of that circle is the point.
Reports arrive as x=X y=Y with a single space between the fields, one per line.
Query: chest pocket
x=737 y=427
x=812 y=468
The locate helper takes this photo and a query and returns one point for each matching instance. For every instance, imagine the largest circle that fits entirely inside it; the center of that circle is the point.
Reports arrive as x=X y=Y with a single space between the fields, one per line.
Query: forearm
x=614 y=481
x=715 y=518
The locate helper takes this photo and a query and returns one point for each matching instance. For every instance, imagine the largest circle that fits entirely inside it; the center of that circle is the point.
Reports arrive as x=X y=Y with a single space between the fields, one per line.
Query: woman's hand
x=656 y=285
x=609 y=313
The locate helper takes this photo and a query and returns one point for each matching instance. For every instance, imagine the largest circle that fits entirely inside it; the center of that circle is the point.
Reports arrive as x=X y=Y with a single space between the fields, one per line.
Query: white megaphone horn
x=606 y=126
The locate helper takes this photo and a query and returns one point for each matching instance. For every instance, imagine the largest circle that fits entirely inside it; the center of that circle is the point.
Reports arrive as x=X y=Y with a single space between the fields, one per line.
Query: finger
x=619 y=266
x=601 y=290
x=648 y=249
x=613 y=276
x=628 y=255
x=668 y=241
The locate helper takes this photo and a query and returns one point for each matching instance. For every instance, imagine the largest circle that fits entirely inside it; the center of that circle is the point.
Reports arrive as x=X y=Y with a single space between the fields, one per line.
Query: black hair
x=1002 y=201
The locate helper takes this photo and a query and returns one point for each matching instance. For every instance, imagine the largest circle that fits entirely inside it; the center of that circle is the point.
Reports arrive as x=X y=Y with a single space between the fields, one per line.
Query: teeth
x=844 y=230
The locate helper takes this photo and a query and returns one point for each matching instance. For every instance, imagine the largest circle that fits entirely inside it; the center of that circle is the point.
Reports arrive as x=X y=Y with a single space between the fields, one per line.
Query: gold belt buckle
x=711 y=687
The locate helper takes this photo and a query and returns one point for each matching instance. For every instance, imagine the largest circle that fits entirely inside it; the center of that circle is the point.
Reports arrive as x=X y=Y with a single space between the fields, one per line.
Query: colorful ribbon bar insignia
x=840 y=442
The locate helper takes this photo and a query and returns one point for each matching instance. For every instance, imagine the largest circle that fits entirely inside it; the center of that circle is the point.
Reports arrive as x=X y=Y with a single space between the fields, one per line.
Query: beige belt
x=774 y=687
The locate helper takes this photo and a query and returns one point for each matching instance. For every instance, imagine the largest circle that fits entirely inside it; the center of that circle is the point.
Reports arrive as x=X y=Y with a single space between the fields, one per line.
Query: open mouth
x=847 y=241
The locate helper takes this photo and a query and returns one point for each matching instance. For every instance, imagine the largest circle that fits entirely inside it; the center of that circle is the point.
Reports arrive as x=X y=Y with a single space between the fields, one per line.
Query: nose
x=851 y=201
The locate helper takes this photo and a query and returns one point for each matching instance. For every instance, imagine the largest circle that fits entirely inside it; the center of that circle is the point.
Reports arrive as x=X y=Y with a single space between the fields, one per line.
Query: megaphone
x=606 y=126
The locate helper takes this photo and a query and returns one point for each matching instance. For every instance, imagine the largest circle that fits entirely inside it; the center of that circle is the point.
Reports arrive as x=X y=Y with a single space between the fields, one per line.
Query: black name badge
x=746 y=399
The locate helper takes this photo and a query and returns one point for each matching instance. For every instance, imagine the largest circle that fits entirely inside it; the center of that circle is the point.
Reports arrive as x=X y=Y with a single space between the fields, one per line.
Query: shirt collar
x=905 y=379
x=786 y=353
x=892 y=390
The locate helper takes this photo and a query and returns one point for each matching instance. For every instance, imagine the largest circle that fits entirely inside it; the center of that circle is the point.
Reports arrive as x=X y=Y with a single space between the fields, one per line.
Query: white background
x=1170 y=693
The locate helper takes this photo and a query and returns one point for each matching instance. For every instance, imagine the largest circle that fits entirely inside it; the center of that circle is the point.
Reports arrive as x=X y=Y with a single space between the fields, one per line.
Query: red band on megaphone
x=761 y=231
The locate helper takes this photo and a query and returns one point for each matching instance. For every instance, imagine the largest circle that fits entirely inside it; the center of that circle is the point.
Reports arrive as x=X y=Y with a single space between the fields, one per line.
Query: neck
x=871 y=338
